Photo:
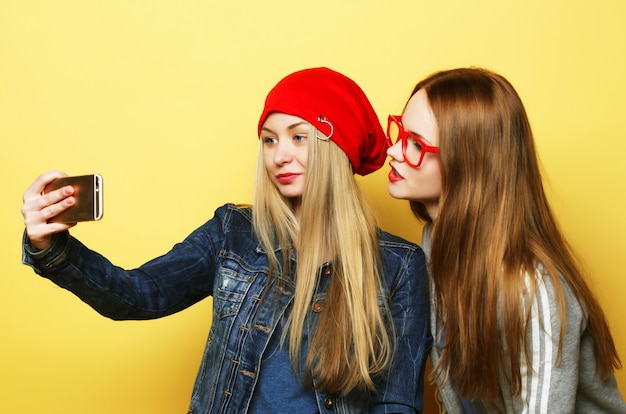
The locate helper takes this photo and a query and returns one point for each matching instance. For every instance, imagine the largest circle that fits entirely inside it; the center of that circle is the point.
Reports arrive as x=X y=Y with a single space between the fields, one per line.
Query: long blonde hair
x=494 y=225
x=352 y=343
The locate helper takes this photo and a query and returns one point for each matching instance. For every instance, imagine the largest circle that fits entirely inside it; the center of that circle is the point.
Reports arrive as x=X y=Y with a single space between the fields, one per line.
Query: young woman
x=314 y=308
x=515 y=325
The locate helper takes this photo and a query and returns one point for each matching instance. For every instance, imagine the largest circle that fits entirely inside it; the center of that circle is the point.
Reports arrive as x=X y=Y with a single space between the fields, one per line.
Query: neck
x=433 y=210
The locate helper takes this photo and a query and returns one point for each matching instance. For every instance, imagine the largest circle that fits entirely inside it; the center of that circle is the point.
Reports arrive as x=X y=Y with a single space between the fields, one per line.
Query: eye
x=269 y=140
x=414 y=142
x=300 y=137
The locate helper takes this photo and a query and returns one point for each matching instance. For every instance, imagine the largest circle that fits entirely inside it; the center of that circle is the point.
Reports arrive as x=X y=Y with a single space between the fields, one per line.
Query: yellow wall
x=162 y=98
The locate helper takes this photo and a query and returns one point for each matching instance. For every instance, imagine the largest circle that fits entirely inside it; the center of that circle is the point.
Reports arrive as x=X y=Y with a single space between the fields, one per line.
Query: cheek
x=426 y=179
x=433 y=177
x=434 y=171
x=302 y=156
x=267 y=158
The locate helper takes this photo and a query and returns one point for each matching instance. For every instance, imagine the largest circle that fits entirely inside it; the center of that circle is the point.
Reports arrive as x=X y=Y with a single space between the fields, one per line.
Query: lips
x=286 y=178
x=394 y=176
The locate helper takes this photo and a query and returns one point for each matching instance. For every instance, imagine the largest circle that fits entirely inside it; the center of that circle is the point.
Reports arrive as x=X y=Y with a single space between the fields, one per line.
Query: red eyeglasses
x=413 y=154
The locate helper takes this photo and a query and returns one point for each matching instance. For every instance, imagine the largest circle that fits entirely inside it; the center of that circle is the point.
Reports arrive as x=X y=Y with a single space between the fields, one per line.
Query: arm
x=160 y=287
x=403 y=388
x=550 y=382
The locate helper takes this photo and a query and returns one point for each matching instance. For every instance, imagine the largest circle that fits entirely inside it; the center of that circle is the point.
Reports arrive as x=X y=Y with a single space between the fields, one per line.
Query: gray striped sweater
x=551 y=386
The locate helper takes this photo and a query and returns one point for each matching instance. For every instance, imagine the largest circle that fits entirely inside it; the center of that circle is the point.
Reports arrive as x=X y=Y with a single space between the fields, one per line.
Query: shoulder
x=391 y=241
x=400 y=256
x=228 y=222
x=392 y=246
x=234 y=215
x=236 y=211
x=236 y=236
x=551 y=292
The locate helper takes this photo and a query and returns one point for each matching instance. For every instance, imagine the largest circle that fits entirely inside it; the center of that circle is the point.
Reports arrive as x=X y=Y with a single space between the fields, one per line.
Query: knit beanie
x=336 y=106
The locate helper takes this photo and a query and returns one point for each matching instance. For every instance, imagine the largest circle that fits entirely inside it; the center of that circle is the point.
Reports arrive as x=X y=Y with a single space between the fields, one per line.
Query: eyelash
x=296 y=137
x=414 y=142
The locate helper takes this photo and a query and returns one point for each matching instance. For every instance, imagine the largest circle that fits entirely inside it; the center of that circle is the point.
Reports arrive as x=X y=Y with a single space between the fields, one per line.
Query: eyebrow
x=290 y=127
x=415 y=133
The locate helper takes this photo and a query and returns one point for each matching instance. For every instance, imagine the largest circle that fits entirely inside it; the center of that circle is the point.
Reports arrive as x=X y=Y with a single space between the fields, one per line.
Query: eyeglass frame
x=403 y=134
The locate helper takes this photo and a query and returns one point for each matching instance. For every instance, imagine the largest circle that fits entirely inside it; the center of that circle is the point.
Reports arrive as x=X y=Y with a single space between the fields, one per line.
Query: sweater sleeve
x=550 y=378
x=565 y=381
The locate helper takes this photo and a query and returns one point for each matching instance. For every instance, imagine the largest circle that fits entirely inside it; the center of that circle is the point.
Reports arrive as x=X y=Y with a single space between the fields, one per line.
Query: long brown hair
x=352 y=344
x=494 y=227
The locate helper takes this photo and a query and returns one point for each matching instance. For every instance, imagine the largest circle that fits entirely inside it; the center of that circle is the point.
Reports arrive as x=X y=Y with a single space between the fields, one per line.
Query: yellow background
x=162 y=98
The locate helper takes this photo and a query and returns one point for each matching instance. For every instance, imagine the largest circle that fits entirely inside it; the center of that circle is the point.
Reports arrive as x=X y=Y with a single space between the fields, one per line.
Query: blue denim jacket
x=223 y=259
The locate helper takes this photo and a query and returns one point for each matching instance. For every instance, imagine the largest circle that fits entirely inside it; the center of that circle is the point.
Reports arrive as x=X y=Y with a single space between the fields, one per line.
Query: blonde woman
x=315 y=309
x=516 y=326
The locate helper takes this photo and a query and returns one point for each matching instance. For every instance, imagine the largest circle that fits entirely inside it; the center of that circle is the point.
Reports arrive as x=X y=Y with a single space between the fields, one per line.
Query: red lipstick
x=394 y=176
x=286 y=178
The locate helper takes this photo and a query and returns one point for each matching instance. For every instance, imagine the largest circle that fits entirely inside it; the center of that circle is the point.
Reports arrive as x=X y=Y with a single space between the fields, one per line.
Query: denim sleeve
x=160 y=287
x=402 y=390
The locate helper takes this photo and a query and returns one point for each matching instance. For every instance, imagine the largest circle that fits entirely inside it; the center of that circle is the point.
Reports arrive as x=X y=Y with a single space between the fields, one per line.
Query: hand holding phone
x=88 y=196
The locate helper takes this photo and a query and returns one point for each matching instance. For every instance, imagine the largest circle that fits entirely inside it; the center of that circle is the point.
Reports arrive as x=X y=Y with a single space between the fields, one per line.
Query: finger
x=37 y=187
x=61 y=197
x=41 y=209
x=52 y=210
x=53 y=203
x=34 y=202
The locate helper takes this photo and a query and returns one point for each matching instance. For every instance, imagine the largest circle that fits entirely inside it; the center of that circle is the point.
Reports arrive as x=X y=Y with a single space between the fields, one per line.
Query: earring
x=323 y=120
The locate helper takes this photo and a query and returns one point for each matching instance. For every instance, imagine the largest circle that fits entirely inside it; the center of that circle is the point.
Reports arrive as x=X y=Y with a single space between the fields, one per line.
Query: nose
x=284 y=152
x=395 y=151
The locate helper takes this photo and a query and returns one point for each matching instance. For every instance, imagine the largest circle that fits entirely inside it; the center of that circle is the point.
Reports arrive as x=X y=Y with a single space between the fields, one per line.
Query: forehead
x=282 y=120
x=418 y=118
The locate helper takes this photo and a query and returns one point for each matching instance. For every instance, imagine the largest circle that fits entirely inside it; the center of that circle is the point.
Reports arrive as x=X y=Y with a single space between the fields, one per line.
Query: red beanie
x=338 y=107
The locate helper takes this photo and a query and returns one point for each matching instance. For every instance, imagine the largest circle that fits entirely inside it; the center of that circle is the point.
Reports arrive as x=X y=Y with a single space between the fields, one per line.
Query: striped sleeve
x=549 y=384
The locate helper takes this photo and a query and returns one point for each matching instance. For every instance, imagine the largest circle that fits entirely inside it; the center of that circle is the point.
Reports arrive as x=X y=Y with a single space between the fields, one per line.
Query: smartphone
x=88 y=195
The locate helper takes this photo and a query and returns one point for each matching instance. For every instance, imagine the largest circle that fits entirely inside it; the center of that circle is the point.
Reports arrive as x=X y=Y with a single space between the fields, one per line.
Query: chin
x=394 y=192
x=293 y=197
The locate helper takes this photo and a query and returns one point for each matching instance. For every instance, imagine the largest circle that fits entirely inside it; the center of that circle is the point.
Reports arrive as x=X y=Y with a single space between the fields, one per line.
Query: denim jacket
x=223 y=259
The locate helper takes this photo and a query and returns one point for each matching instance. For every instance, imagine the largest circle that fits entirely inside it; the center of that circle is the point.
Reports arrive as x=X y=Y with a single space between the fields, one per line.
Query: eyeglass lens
x=411 y=148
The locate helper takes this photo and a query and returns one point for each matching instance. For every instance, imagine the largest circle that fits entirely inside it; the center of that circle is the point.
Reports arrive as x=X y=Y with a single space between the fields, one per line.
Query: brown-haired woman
x=516 y=327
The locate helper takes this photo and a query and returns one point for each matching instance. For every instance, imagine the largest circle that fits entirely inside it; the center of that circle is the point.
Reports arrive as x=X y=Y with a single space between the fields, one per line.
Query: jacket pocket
x=231 y=289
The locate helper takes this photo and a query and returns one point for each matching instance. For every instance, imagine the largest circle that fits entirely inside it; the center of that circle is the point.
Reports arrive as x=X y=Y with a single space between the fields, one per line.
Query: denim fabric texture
x=223 y=259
